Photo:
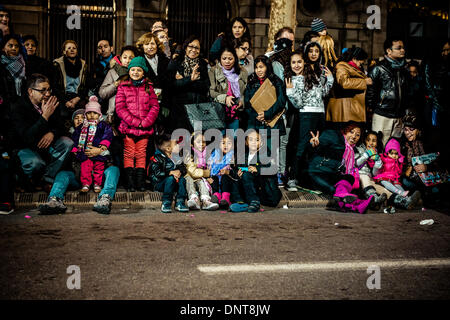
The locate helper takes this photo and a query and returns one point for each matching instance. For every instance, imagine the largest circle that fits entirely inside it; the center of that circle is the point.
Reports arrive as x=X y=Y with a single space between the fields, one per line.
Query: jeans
x=248 y=183
x=283 y=149
x=65 y=179
x=33 y=164
x=169 y=186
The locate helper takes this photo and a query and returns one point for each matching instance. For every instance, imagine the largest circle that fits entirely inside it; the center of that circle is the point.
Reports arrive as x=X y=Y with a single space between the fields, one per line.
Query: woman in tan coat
x=349 y=93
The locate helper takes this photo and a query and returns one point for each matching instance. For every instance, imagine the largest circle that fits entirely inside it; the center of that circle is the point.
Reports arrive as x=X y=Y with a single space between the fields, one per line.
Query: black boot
x=130 y=179
x=408 y=202
x=378 y=200
x=140 y=179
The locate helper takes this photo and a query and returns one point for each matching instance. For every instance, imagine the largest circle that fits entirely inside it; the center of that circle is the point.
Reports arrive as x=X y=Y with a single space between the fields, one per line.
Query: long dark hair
x=312 y=70
x=269 y=72
x=229 y=37
x=354 y=52
x=236 y=66
x=282 y=56
x=288 y=73
x=9 y=37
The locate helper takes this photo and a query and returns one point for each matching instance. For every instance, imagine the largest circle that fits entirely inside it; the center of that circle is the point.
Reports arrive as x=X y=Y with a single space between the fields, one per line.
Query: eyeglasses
x=194 y=48
x=245 y=49
x=43 y=91
x=398 y=48
x=409 y=129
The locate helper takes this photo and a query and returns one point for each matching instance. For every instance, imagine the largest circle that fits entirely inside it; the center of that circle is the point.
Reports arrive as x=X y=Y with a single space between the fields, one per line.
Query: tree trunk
x=282 y=14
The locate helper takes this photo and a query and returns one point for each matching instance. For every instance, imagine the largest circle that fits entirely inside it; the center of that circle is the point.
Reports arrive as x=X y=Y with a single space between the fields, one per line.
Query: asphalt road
x=147 y=255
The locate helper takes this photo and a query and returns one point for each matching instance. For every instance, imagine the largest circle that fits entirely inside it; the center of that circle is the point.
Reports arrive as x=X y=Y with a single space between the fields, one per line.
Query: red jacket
x=136 y=108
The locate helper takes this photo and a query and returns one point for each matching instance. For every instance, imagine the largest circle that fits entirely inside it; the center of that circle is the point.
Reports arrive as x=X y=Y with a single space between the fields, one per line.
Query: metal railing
x=97 y=22
x=204 y=18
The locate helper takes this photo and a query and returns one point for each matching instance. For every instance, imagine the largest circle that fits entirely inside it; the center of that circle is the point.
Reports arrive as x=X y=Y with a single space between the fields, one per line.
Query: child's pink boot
x=342 y=192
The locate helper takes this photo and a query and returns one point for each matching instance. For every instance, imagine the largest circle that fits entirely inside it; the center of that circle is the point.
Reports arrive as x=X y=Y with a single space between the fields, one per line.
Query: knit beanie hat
x=318 y=25
x=138 y=62
x=93 y=106
x=77 y=112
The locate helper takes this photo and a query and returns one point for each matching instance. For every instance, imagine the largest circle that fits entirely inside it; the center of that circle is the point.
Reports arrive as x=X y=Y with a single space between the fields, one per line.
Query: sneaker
x=181 y=207
x=103 y=204
x=97 y=188
x=214 y=199
x=239 y=207
x=6 y=208
x=254 y=206
x=210 y=206
x=194 y=204
x=280 y=179
x=292 y=185
x=166 y=207
x=84 y=189
x=54 y=205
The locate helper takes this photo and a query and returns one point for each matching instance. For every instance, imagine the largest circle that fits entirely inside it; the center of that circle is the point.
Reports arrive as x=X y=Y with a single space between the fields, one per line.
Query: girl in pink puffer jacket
x=137 y=107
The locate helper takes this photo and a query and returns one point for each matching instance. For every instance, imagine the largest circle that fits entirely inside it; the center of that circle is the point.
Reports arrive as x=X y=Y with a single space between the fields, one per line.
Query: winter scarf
x=16 y=67
x=233 y=79
x=188 y=65
x=349 y=162
x=396 y=64
x=105 y=61
x=354 y=65
x=72 y=70
x=137 y=83
x=200 y=158
x=87 y=134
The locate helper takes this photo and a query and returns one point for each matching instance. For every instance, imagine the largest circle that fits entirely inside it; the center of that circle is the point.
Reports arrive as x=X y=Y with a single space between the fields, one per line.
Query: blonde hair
x=327 y=44
x=145 y=39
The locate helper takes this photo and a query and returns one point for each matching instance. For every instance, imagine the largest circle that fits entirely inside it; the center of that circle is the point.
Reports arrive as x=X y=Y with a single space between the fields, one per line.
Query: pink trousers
x=91 y=168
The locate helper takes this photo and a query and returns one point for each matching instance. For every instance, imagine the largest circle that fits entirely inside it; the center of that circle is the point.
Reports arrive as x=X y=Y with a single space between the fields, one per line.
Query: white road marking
x=322 y=266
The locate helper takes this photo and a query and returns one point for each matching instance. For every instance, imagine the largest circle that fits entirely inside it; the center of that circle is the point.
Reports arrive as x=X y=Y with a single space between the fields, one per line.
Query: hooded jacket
x=392 y=168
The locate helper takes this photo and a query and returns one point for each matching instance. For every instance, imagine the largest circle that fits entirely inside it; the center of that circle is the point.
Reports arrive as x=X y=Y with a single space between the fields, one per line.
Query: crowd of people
x=370 y=138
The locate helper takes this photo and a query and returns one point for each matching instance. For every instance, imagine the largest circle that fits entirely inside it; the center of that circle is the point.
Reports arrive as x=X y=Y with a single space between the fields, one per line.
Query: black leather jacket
x=388 y=96
x=161 y=165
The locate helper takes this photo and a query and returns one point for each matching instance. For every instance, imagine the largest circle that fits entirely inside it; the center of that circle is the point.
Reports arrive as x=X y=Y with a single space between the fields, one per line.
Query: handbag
x=211 y=114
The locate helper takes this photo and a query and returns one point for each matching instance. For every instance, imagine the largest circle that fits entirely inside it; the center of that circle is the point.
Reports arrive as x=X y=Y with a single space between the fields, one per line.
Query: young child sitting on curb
x=258 y=188
x=223 y=186
x=167 y=174
x=197 y=175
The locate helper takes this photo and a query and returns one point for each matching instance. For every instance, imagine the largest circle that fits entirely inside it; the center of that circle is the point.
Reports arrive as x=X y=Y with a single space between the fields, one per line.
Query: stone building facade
x=346 y=21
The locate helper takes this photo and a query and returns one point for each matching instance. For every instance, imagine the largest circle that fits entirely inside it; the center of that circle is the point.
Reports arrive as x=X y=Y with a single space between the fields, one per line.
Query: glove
x=370 y=152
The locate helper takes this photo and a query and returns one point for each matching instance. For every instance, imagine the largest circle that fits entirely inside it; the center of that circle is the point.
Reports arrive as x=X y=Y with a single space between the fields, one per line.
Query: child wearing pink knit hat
x=91 y=139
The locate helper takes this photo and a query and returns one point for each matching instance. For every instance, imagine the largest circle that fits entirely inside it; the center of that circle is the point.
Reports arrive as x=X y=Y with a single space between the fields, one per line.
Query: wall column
x=282 y=14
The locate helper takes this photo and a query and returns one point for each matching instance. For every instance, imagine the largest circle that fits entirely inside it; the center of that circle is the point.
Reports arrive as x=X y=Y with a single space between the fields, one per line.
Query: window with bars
x=204 y=18
x=97 y=23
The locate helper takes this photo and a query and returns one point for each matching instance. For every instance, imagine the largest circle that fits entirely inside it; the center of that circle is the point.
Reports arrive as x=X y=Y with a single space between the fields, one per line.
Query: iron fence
x=97 y=23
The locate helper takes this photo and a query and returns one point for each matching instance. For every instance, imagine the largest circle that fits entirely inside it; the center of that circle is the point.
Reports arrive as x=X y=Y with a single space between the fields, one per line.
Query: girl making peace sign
x=307 y=84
